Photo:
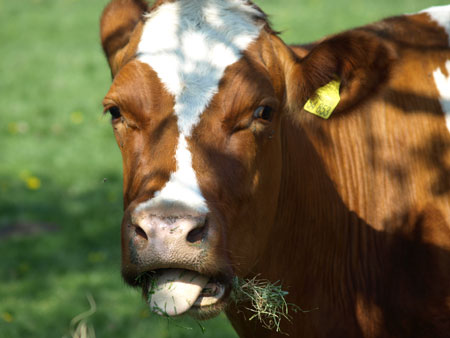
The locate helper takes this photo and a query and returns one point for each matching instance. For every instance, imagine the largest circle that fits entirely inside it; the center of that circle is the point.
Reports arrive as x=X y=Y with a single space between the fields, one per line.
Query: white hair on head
x=189 y=44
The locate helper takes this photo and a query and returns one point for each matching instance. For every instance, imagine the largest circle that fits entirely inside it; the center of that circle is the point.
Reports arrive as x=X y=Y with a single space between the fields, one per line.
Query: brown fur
x=118 y=21
x=352 y=214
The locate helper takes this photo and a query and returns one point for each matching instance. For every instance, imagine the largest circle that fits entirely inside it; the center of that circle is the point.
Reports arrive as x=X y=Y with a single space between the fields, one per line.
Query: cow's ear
x=118 y=21
x=361 y=61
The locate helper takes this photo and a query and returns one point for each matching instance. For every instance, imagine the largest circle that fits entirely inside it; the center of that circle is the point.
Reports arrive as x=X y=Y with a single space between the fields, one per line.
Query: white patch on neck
x=441 y=15
x=189 y=44
x=443 y=86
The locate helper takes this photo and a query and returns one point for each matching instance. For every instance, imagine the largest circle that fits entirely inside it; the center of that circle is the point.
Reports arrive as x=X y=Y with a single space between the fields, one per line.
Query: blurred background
x=60 y=169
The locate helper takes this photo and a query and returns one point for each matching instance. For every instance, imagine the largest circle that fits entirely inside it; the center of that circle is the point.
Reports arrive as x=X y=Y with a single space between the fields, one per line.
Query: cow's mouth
x=173 y=292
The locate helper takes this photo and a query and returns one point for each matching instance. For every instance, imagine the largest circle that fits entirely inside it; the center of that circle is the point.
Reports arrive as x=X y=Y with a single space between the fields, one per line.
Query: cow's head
x=199 y=94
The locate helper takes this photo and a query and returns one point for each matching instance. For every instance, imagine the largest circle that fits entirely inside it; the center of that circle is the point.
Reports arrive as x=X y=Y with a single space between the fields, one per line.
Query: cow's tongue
x=174 y=291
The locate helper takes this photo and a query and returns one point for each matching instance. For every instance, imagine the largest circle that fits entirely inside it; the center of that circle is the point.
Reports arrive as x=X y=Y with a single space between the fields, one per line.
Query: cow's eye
x=263 y=112
x=115 y=112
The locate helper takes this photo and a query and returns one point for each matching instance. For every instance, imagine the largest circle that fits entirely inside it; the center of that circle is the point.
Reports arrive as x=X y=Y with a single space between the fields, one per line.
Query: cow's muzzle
x=173 y=259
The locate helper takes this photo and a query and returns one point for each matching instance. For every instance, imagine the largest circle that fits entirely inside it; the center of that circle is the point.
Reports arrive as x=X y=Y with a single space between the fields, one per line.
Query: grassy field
x=60 y=170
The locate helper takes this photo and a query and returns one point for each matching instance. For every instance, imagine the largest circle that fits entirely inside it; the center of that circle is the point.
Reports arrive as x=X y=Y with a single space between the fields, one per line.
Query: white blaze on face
x=181 y=187
x=443 y=86
x=189 y=44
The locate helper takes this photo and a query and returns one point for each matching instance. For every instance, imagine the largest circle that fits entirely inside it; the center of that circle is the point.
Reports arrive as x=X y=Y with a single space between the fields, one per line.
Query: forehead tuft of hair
x=253 y=11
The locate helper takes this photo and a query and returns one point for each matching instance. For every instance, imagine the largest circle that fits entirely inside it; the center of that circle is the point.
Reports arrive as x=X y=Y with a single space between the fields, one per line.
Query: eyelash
x=114 y=111
x=263 y=113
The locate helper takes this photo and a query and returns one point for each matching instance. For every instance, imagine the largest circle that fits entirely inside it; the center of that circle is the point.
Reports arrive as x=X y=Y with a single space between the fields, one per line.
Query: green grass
x=56 y=149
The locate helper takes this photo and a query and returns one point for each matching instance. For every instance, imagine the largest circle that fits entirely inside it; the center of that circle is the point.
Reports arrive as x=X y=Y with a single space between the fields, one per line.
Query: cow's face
x=196 y=114
x=200 y=89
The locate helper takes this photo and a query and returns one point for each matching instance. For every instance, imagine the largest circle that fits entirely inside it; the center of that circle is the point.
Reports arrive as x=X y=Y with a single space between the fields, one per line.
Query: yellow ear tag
x=325 y=100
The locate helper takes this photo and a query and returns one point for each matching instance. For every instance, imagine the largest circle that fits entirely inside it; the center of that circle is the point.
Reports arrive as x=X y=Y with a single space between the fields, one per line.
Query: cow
x=234 y=167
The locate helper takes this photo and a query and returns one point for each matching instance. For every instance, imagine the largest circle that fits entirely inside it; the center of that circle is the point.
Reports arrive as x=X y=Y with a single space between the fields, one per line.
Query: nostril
x=140 y=232
x=198 y=234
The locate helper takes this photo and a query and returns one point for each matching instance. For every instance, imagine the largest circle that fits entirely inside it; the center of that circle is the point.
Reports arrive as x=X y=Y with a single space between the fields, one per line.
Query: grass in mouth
x=148 y=282
x=267 y=301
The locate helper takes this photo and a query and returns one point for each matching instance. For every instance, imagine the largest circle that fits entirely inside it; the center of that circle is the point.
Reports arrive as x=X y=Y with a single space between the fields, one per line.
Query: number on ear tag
x=325 y=100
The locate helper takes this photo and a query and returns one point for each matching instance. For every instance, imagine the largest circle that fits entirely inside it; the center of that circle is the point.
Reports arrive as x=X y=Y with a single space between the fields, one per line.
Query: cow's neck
x=316 y=233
